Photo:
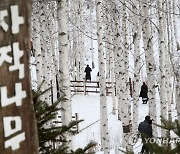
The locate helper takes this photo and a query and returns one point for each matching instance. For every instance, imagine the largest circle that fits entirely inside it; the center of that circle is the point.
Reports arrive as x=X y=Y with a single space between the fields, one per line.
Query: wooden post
x=18 y=133
x=77 y=118
x=84 y=87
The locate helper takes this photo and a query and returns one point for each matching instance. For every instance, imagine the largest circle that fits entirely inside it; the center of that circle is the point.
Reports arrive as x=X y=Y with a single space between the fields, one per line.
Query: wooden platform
x=92 y=87
x=88 y=87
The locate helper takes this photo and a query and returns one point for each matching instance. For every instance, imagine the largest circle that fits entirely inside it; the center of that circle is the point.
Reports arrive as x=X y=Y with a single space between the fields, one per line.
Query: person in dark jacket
x=144 y=93
x=88 y=72
x=145 y=129
x=97 y=79
x=144 y=124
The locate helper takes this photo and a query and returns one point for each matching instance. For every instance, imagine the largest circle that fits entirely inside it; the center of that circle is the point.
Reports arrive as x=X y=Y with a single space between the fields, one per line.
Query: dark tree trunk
x=18 y=129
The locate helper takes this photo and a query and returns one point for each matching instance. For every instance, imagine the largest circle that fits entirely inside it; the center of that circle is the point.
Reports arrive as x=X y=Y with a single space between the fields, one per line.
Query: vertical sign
x=18 y=132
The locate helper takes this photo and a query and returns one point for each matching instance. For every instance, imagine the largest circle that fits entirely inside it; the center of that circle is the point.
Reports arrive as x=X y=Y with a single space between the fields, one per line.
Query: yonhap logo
x=133 y=139
x=162 y=140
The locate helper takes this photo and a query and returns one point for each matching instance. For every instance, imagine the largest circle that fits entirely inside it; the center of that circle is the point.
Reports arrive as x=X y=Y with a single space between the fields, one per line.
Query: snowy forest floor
x=88 y=109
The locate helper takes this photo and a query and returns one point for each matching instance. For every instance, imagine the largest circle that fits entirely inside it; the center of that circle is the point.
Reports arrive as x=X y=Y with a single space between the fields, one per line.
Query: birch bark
x=178 y=94
x=137 y=63
x=170 y=46
x=64 y=65
x=150 y=63
x=162 y=59
x=110 y=51
x=75 y=42
x=91 y=31
x=36 y=40
x=81 y=42
x=124 y=100
x=44 y=50
x=53 y=65
x=102 y=81
x=121 y=76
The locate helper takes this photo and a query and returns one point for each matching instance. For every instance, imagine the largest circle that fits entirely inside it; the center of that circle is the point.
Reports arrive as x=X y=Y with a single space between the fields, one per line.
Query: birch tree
x=110 y=75
x=175 y=23
x=49 y=66
x=136 y=41
x=124 y=102
x=80 y=64
x=64 y=65
x=75 y=41
x=178 y=89
x=150 y=63
x=53 y=61
x=102 y=80
x=175 y=57
x=162 y=59
x=36 y=41
x=121 y=76
x=44 y=50
x=91 y=4
x=170 y=46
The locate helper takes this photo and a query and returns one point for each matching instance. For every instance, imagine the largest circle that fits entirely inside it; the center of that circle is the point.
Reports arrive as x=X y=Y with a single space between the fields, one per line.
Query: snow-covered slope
x=88 y=109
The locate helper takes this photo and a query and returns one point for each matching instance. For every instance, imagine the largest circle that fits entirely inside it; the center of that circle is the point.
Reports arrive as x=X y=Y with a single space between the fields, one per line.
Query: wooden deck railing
x=89 y=87
x=92 y=87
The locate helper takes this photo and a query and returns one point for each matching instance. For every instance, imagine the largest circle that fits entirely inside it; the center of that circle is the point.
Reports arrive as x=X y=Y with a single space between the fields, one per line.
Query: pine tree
x=170 y=144
x=51 y=137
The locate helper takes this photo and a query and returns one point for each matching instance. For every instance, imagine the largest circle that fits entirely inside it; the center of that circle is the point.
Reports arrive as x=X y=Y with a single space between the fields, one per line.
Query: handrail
x=88 y=87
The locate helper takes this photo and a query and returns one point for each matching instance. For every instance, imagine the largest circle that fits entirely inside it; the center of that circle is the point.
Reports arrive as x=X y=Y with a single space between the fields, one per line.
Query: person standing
x=145 y=129
x=97 y=79
x=88 y=72
x=144 y=93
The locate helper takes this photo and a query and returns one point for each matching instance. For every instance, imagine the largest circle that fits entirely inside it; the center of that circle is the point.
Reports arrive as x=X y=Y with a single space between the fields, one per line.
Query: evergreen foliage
x=51 y=136
x=170 y=144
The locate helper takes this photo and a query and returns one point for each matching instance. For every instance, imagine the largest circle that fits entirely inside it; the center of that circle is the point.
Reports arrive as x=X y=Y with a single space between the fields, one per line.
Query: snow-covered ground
x=88 y=109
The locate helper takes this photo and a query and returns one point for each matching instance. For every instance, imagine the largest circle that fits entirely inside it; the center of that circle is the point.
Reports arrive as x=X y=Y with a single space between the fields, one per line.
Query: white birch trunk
x=178 y=95
x=176 y=65
x=91 y=32
x=113 y=85
x=150 y=63
x=110 y=54
x=112 y=71
x=53 y=56
x=81 y=42
x=137 y=63
x=118 y=51
x=36 y=40
x=64 y=65
x=78 y=51
x=44 y=50
x=48 y=55
x=121 y=77
x=162 y=59
x=125 y=93
x=175 y=24
x=107 y=41
x=171 y=47
x=75 y=42
x=169 y=88
x=102 y=81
